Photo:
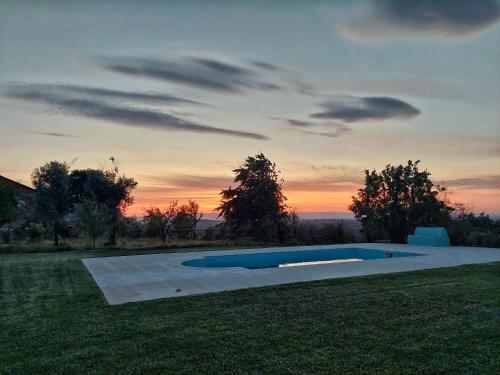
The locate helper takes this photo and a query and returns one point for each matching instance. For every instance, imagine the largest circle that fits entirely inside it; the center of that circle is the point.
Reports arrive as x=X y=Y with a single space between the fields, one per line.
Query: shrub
x=484 y=239
x=468 y=229
x=35 y=232
x=6 y=233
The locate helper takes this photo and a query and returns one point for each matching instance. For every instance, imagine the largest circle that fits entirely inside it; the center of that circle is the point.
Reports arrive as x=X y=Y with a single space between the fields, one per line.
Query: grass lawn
x=54 y=319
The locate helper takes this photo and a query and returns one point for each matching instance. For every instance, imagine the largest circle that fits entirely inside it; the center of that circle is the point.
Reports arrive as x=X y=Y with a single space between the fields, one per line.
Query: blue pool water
x=290 y=258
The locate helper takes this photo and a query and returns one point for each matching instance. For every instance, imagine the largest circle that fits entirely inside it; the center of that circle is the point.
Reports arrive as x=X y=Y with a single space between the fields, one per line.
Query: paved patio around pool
x=145 y=277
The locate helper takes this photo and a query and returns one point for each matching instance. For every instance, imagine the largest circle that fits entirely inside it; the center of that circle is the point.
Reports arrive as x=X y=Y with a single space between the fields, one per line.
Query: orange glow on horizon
x=478 y=200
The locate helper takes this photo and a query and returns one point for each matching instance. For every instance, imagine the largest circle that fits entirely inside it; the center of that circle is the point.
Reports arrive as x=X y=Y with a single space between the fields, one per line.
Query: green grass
x=47 y=246
x=54 y=319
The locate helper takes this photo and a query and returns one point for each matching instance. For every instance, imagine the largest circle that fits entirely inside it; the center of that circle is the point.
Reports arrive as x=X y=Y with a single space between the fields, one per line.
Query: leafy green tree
x=51 y=182
x=468 y=229
x=186 y=218
x=257 y=203
x=8 y=204
x=35 y=232
x=131 y=227
x=89 y=184
x=397 y=200
x=106 y=187
x=160 y=222
x=92 y=217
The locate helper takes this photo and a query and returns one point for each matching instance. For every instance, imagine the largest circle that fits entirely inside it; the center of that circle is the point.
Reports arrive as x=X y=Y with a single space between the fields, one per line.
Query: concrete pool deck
x=136 y=278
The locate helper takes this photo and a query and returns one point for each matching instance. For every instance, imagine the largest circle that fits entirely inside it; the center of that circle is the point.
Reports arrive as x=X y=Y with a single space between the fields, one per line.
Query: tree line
x=393 y=202
x=180 y=219
x=95 y=199
x=390 y=205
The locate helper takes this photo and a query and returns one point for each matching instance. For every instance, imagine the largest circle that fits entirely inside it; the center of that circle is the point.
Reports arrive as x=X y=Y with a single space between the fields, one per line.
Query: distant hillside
x=302 y=215
x=325 y=215
x=350 y=225
x=207 y=224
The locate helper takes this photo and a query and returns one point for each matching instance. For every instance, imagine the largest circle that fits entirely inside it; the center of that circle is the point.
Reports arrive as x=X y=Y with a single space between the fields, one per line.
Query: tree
x=35 y=232
x=257 y=204
x=468 y=229
x=183 y=219
x=397 y=200
x=51 y=182
x=106 y=187
x=160 y=222
x=131 y=227
x=92 y=216
x=186 y=219
x=8 y=204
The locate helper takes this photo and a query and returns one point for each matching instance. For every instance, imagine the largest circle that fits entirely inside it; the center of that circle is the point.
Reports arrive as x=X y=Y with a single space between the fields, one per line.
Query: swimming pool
x=295 y=258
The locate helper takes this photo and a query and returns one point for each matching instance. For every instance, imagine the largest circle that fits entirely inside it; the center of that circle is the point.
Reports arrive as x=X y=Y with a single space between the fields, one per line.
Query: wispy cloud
x=136 y=96
x=266 y=66
x=164 y=188
x=187 y=181
x=325 y=177
x=305 y=88
x=475 y=182
x=334 y=179
x=348 y=173
x=201 y=73
x=105 y=93
x=331 y=184
x=355 y=109
x=452 y=19
x=53 y=134
x=294 y=122
x=119 y=114
x=323 y=129
x=338 y=132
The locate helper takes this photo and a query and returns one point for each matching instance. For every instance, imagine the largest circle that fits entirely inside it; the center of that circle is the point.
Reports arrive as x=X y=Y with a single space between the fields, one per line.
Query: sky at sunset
x=180 y=92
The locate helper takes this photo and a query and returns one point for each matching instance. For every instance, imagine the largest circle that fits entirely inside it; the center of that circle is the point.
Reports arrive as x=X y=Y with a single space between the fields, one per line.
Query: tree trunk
x=112 y=236
x=113 y=227
x=56 y=234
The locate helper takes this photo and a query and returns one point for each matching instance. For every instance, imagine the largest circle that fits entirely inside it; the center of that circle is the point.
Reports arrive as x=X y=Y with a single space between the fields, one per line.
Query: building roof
x=20 y=188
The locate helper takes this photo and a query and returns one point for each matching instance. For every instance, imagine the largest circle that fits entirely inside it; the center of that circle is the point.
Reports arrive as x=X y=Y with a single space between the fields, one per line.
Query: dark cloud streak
x=355 y=109
x=333 y=130
x=97 y=92
x=451 y=18
x=293 y=122
x=138 y=96
x=200 y=73
x=266 y=66
x=53 y=134
x=123 y=115
x=328 y=134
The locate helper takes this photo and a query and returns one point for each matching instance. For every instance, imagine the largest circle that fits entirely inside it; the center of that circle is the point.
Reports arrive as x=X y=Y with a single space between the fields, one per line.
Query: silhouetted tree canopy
x=92 y=217
x=8 y=203
x=467 y=228
x=186 y=218
x=257 y=203
x=98 y=197
x=159 y=222
x=51 y=182
x=182 y=219
x=107 y=188
x=397 y=200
